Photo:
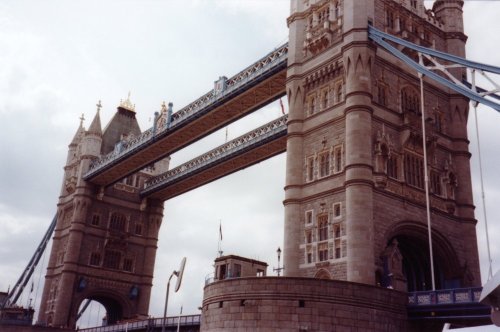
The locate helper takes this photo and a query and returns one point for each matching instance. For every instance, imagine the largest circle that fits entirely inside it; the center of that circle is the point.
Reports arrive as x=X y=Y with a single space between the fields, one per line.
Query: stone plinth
x=301 y=304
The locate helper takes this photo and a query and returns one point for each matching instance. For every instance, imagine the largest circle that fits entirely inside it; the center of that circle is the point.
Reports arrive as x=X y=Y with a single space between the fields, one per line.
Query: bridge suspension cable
x=21 y=283
x=431 y=55
x=470 y=90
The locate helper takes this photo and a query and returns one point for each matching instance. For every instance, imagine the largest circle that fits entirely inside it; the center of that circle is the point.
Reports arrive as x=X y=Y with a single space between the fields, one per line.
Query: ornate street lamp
x=279 y=269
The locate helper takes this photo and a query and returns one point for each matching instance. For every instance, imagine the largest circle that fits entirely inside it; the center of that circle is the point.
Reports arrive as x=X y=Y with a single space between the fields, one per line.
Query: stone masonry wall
x=301 y=304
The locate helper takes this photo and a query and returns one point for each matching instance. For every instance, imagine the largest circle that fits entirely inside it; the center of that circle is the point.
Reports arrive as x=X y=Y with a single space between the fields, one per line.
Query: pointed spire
x=95 y=126
x=79 y=132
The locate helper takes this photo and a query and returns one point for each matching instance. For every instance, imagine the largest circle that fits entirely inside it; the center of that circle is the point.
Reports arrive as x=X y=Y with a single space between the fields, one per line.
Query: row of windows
x=112 y=260
x=328 y=96
x=117 y=222
x=323 y=253
x=410 y=102
x=328 y=163
x=413 y=166
x=337 y=213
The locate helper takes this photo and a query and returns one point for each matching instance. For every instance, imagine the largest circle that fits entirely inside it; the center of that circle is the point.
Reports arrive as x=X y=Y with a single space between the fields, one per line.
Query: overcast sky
x=58 y=58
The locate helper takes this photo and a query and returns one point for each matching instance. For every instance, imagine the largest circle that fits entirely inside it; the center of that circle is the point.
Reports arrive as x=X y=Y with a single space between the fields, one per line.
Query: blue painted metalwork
x=275 y=60
x=445 y=296
x=438 y=54
x=149 y=324
x=379 y=36
x=271 y=130
x=21 y=283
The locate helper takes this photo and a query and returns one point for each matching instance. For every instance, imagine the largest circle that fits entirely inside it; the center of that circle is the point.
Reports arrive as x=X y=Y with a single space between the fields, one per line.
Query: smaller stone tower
x=105 y=240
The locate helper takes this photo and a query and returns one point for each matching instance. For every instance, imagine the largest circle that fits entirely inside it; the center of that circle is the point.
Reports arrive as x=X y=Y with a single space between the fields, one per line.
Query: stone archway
x=322 y=274
x=413 y=267
x=117 y=307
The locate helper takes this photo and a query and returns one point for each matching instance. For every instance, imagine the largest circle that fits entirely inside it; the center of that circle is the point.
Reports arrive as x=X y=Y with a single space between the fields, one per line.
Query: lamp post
x=279 y=269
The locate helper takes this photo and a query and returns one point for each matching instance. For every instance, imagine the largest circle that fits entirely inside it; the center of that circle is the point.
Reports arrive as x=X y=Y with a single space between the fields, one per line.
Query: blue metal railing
x=232 y=147
x=445 y=296
x=149 y=323
x=248 y=76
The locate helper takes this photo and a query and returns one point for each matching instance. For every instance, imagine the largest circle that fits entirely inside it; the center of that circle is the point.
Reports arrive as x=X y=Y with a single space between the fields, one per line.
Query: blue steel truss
x=270 y=131
x=21 y=283
x=261 y=69
x=466 y=89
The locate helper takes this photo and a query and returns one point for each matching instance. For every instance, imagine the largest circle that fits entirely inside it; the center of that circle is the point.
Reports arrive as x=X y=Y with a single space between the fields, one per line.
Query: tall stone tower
x=354 y=196
x=104 y=243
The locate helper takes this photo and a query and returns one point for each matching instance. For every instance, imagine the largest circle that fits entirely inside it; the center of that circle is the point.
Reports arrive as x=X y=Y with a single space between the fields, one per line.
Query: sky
x=59 y=58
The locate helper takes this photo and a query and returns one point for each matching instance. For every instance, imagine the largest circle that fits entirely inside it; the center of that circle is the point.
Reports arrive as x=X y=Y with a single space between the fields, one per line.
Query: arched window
x=117 y=222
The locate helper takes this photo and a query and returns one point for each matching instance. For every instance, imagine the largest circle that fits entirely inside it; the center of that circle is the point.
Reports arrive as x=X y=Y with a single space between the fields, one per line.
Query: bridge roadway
x=254 y=87
x=249 y=149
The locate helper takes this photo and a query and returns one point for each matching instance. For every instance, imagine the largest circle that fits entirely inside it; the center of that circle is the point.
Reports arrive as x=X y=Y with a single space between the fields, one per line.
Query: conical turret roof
x=79 y=133
x=95 y=126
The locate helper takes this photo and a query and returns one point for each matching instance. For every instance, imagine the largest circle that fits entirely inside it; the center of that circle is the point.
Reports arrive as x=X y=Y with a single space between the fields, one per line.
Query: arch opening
x=100 y=311
x=406 y=261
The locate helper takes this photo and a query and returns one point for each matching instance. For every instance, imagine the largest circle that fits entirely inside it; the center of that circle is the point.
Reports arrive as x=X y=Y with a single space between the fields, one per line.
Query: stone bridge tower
x=105 y=241
x=355 y=199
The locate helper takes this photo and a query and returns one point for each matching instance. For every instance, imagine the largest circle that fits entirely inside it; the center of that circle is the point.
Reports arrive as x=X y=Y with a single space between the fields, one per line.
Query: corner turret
x=92 y=141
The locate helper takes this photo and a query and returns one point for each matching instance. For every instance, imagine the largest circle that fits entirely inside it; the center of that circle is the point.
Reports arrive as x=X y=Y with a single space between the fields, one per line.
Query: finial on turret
x=82 y=118
x=163 y=107
x=127 y=104
x=99 y=106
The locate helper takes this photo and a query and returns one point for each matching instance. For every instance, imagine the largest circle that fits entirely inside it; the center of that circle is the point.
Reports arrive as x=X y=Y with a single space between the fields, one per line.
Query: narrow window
x=337 y=210
x=95 y=259
x=324 y=164
x=95 y=220
x=138 y=229
x=323 y=227
x=414 y=170
x=309 y=217
x=337 y=231
x=117 y=222
x=435 y=183
x=323 y=253
x=310 y=169
x=237 y=270
x=112 y=259
x=128 y=264
x=392 y=167
x=338 y=159
x=309 y=237
x=382 y=95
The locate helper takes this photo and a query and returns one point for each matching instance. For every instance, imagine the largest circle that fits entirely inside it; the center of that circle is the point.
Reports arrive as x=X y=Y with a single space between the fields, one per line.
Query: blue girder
x=380 y=38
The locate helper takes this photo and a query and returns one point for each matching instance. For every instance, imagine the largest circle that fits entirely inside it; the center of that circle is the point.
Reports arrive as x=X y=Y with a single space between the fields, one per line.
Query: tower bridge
x=252 y=88
x=375 y=151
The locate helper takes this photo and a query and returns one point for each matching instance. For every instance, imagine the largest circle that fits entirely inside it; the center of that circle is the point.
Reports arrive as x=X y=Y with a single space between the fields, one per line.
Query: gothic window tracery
x=414 y=170
x=323 y=227
x=410 y=102
x=117 y=222
x=112 y=259
x=323 y=252
x=95 y=259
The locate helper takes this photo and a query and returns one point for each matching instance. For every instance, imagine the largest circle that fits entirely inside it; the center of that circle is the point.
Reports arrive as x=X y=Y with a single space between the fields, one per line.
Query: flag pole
x=219 y=245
